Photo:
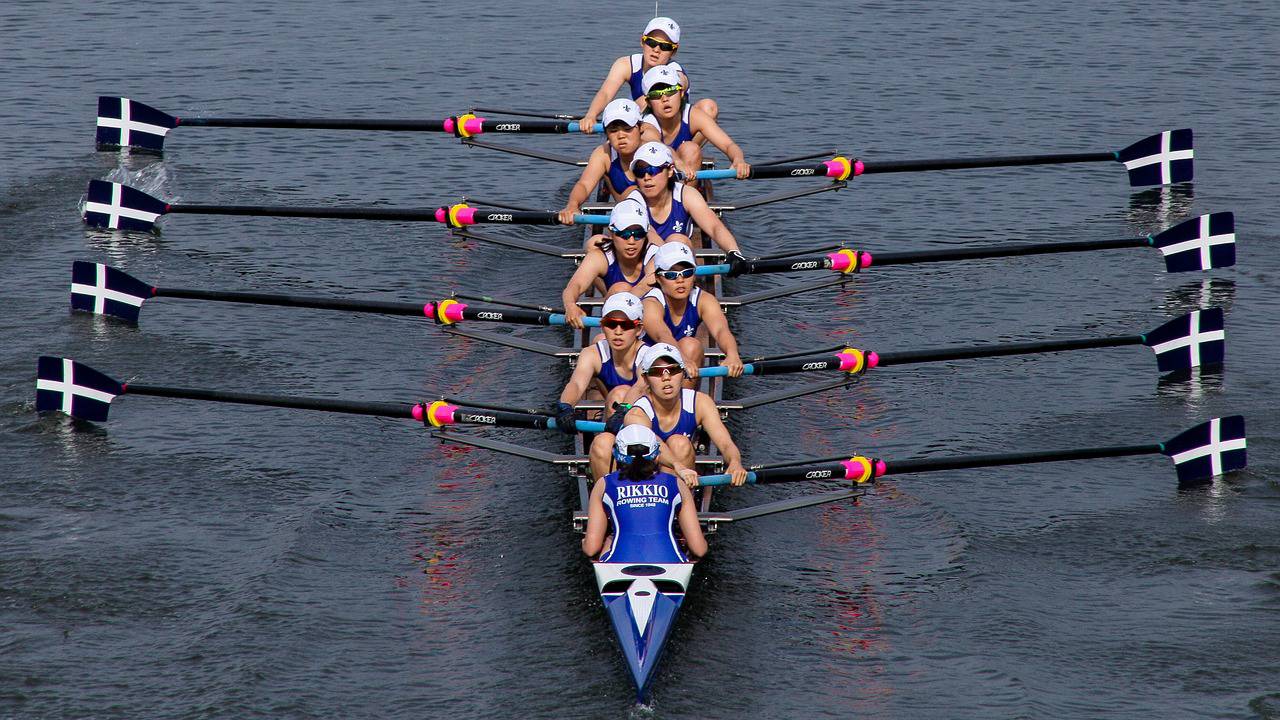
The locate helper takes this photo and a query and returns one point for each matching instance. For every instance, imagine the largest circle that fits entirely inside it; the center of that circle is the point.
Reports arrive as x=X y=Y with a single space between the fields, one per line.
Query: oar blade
x=104 y=290
x=1209 y=449
x=1201 y=243
x=70 y=387
x=119 y=207
x=1161 y=159
x=127 y=123
x=1195 y=339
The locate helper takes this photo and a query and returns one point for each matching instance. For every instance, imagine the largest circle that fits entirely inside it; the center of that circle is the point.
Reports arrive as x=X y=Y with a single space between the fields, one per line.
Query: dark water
x=188 y=560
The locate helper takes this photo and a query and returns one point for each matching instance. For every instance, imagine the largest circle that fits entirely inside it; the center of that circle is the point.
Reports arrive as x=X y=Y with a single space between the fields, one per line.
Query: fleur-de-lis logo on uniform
x=688 y=332
x=677 y=226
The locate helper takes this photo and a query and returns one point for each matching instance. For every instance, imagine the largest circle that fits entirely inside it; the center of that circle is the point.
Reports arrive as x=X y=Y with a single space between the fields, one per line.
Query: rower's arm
x=690 y=528
x=700 y=122
x=594 y=265
x=709 y=418
x=596 y=167
x=597 y=522
x=708 y=220
x=655 y=326
x=618 y=74
x=718 y=325
x=586 y=369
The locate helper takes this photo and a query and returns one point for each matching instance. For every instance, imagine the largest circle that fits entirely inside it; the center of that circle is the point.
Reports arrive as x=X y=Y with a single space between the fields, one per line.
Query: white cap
x=653 y=154
x=621 y=109
x=668 y=26
x=672 y=254
x=650 y=355
x=636 y=435
x=629 y=212
x=668 y=74
x=625 y=303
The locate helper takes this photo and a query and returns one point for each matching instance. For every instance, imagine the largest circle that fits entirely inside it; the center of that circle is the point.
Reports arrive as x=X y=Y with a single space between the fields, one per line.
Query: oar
x=80 y=391
x=1161 y=159
x=1200 y=453
x=1201 y=243
x=128 y=123
x=120 y=207
x=105 y=290
x=1192 y=340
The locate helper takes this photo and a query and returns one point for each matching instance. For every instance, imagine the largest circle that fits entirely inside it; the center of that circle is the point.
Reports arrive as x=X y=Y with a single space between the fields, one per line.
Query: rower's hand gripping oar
x=1200 y=453
x=128 y=123
x=82 y=392
x=117 y=206
x=1200 y=243
x=105 y=290
x=1161 y=159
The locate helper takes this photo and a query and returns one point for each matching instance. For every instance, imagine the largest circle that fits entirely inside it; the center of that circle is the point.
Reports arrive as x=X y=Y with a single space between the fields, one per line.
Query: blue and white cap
x=667 y=26
x=621 y=110
x=625 y=303
x=668 y=74
x=635 y=441
x=653 y=154
x=672 y=254
x=629 y=212
x=650 y=355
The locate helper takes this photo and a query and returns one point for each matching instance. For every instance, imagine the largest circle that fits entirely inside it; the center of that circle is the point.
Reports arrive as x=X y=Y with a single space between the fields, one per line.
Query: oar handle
x=470 y=125
x=462 y=215
x=844 y=261
x=849 y=360
x=857 y=469
x=837 y=168
x=450 y=311
x=441 y=413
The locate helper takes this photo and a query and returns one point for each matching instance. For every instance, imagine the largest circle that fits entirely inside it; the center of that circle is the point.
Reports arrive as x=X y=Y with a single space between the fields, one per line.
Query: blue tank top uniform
x=684 y=134
x=642 y=514
x=687 y=425
x=678 y=220
x=609 y=372
x=614 y=273
x=689 y=322
x=618 y=179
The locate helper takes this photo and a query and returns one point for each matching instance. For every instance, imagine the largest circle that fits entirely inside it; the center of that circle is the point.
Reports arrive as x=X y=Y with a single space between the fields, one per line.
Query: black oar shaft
x=817 y=262
x=824 y=471
x=798 y=364
x=891 y=166
x=906 y=357
x=902 y=467
x=317 y=123
x=789 y=170
x=992 y=251
x=372 y=306
x=497 y=314
x=381 y=409
x=366 y=213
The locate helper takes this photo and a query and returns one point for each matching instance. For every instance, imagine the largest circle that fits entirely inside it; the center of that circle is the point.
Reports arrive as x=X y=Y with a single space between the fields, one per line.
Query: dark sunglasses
x=657 y=44
x=631 y=233
x=619 y=323
x=677 y=274
x=649 y=170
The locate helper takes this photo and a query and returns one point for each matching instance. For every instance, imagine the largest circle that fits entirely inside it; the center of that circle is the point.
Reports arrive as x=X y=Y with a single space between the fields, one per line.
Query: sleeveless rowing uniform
x=685 y=133
x=678 y=220
x=637 y=76
x=609 y=372
x=689 y=322
x=642 y=514
x=686 y=425
x=614 y=273
x=618 y=179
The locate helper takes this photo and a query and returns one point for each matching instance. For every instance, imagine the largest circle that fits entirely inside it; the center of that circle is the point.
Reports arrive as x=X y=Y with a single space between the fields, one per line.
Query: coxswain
x=610 y=161
x=677 y=311
x=669 y=118
x=620 y=260
x=658 y=45
x=607 y=368
x=641 y=503
x=675 y=208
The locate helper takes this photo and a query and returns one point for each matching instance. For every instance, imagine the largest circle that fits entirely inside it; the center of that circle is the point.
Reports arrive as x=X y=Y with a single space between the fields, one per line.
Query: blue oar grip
x=718 y=480
x=719 y=371
x=559 y=319
x=725 y=174
x=704 y=270
x=593 y=426
x=575 y=126
x=591 y=220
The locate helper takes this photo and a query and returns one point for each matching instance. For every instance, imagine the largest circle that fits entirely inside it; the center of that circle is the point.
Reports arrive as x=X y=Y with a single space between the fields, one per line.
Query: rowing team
x=655 y=320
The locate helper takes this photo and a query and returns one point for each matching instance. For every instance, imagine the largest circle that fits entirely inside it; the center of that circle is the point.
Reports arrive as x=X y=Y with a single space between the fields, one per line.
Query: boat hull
x=642 y=601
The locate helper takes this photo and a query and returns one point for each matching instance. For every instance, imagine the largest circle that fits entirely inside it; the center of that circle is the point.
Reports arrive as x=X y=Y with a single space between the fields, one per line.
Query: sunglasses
x=648 y=170
x=631 y=233
x=663 y=92
x=663 y=370
x=677 y=274
x=619 y=323
x=657 y=44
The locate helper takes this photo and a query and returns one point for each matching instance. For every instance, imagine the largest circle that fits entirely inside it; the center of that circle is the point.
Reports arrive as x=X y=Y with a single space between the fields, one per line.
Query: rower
x=611 y=161
x=672 y=120
x=608 y=368
x=640 y=502
x=674 y=207
x=677 y=310
x=621 y=260
x=658 y=45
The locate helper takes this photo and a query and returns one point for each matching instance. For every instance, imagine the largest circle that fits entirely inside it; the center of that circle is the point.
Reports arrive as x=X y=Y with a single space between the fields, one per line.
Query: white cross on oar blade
x=1191 y=340
x=69 y=390
x=1213 y=449
x=1165 y=157
x=101 y=293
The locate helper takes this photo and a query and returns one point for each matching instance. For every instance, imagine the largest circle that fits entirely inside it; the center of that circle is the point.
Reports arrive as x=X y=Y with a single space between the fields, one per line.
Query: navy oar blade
x=1209 y=449
x=127 y=123
x=1161 y=159
x=1201 y=243
x=74 y=389
x=104 y=290
x=1195 y=339
x=119 y=207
